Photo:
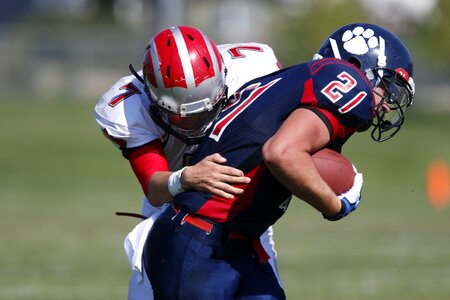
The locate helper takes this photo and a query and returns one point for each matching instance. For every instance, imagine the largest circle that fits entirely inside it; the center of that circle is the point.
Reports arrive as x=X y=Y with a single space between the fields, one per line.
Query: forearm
x=209 y=175
x=288 y=156
x=158 y=192
x=299 y=174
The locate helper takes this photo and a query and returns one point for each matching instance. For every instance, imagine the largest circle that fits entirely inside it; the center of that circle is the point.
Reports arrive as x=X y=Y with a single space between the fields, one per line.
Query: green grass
x=61 y=182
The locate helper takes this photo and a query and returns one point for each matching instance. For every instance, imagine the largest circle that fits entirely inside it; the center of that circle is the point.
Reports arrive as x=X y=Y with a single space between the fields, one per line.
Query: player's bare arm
x=288 y=156
x=209 y=175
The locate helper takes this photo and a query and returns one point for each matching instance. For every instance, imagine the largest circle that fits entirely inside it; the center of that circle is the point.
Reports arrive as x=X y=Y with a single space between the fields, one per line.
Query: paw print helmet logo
x=387 y=63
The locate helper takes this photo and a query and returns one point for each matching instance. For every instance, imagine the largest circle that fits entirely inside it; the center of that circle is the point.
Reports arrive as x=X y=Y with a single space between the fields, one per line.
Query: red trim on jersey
x=353 y=103
x=222 y=210
x=329 y=61
x=130 y=90
x=308 y=97
x=245 y=200
x=147 y=160
x=339 y=130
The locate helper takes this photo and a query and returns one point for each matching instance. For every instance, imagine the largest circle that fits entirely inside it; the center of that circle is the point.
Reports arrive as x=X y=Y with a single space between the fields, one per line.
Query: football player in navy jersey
x=207 y=247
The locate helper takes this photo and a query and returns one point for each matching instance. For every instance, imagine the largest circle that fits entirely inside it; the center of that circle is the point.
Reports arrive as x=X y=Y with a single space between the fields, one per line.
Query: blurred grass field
x=61 y=182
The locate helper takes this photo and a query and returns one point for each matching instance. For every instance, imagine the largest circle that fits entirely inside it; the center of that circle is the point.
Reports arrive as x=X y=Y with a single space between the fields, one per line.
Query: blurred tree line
x=432 y=39
x=297 y=36
x=297 y=27
x=97 y=39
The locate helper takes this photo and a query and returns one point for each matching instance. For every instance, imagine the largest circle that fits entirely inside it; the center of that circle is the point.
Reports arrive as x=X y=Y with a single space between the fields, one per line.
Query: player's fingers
x=234 y=179
x=230 y=171
x=225 y=190
x=216 y=158
x=221 y=176
x=218 y=166
x=222 y=194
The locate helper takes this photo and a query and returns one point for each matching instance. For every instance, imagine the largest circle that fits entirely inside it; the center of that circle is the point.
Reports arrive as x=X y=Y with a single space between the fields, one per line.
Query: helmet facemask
x=398 y=94
x=192 y=127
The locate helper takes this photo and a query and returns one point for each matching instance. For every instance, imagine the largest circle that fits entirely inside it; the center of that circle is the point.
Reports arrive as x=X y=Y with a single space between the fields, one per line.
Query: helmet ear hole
x=354 y=61
x=206 y=62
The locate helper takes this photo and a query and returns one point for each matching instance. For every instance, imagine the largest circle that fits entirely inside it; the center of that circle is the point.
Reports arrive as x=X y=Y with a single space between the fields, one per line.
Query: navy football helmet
x=386 y=62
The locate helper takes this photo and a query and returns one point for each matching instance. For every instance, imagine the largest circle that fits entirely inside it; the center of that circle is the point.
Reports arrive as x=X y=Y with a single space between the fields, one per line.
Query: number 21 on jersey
x=335 y=89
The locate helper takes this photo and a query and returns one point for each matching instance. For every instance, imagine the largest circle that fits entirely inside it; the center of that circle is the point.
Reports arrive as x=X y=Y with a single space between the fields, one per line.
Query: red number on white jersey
x=335 y=90
x=236 y=51
x=130 y=89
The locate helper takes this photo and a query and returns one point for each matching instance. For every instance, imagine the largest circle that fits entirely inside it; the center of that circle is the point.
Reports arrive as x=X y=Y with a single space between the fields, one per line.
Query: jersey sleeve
x=336 y=129
x=246 y=61
x=344 y=92
x=146 y=161
x=122 y=114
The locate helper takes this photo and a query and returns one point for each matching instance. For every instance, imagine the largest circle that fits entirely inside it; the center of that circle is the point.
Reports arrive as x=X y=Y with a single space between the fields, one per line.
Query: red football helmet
x=185 y=78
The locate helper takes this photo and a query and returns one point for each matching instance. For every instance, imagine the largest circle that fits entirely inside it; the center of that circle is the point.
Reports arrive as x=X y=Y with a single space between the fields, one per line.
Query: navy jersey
x=335 y=90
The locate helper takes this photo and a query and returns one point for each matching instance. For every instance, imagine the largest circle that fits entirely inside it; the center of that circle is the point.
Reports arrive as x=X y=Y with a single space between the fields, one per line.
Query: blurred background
x=77 y=48
x=61 y=181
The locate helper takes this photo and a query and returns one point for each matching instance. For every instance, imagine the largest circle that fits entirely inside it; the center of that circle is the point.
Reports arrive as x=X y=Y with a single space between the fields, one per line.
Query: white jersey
x=123 y=116
x=122 y=112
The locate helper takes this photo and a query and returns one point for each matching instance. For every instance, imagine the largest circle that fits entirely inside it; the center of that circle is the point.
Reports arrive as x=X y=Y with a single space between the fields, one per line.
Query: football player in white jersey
x=157 y=116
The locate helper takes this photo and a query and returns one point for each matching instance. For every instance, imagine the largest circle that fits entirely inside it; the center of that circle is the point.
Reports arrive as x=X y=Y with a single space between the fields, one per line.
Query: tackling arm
x=209 y=175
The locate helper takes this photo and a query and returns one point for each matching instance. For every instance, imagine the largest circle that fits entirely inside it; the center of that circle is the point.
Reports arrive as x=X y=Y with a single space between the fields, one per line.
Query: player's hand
x=350 y=199
x=211 y=176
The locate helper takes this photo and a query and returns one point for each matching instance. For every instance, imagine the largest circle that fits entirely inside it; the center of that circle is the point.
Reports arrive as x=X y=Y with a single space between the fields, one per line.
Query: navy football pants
x=184 y=262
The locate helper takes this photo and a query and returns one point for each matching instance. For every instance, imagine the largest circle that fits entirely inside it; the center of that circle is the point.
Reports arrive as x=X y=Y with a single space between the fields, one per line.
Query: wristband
x=174 y=183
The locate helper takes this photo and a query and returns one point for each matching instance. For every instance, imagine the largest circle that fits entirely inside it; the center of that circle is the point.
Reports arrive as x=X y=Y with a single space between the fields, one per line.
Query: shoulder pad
x=122 y=113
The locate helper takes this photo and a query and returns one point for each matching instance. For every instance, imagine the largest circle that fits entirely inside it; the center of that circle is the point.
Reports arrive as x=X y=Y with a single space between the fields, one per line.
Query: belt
x=232 y=235
x=197 y=222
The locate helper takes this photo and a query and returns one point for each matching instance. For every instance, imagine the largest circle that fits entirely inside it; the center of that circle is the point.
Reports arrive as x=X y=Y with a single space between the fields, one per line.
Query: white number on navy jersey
x=336 y=88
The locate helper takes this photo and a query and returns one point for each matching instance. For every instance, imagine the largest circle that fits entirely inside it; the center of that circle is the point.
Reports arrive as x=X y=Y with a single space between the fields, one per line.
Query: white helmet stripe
x=214 y=57
x=155 y=63
x=184 y=56
x=382 y=56
x=335 y=48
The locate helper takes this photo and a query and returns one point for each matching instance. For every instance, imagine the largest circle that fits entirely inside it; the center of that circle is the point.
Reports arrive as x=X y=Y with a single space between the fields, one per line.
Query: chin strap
x=128 y=214
x=135 y=74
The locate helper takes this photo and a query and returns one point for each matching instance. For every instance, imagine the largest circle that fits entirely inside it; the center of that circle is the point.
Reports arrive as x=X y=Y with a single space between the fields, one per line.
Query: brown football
x=335 y=169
